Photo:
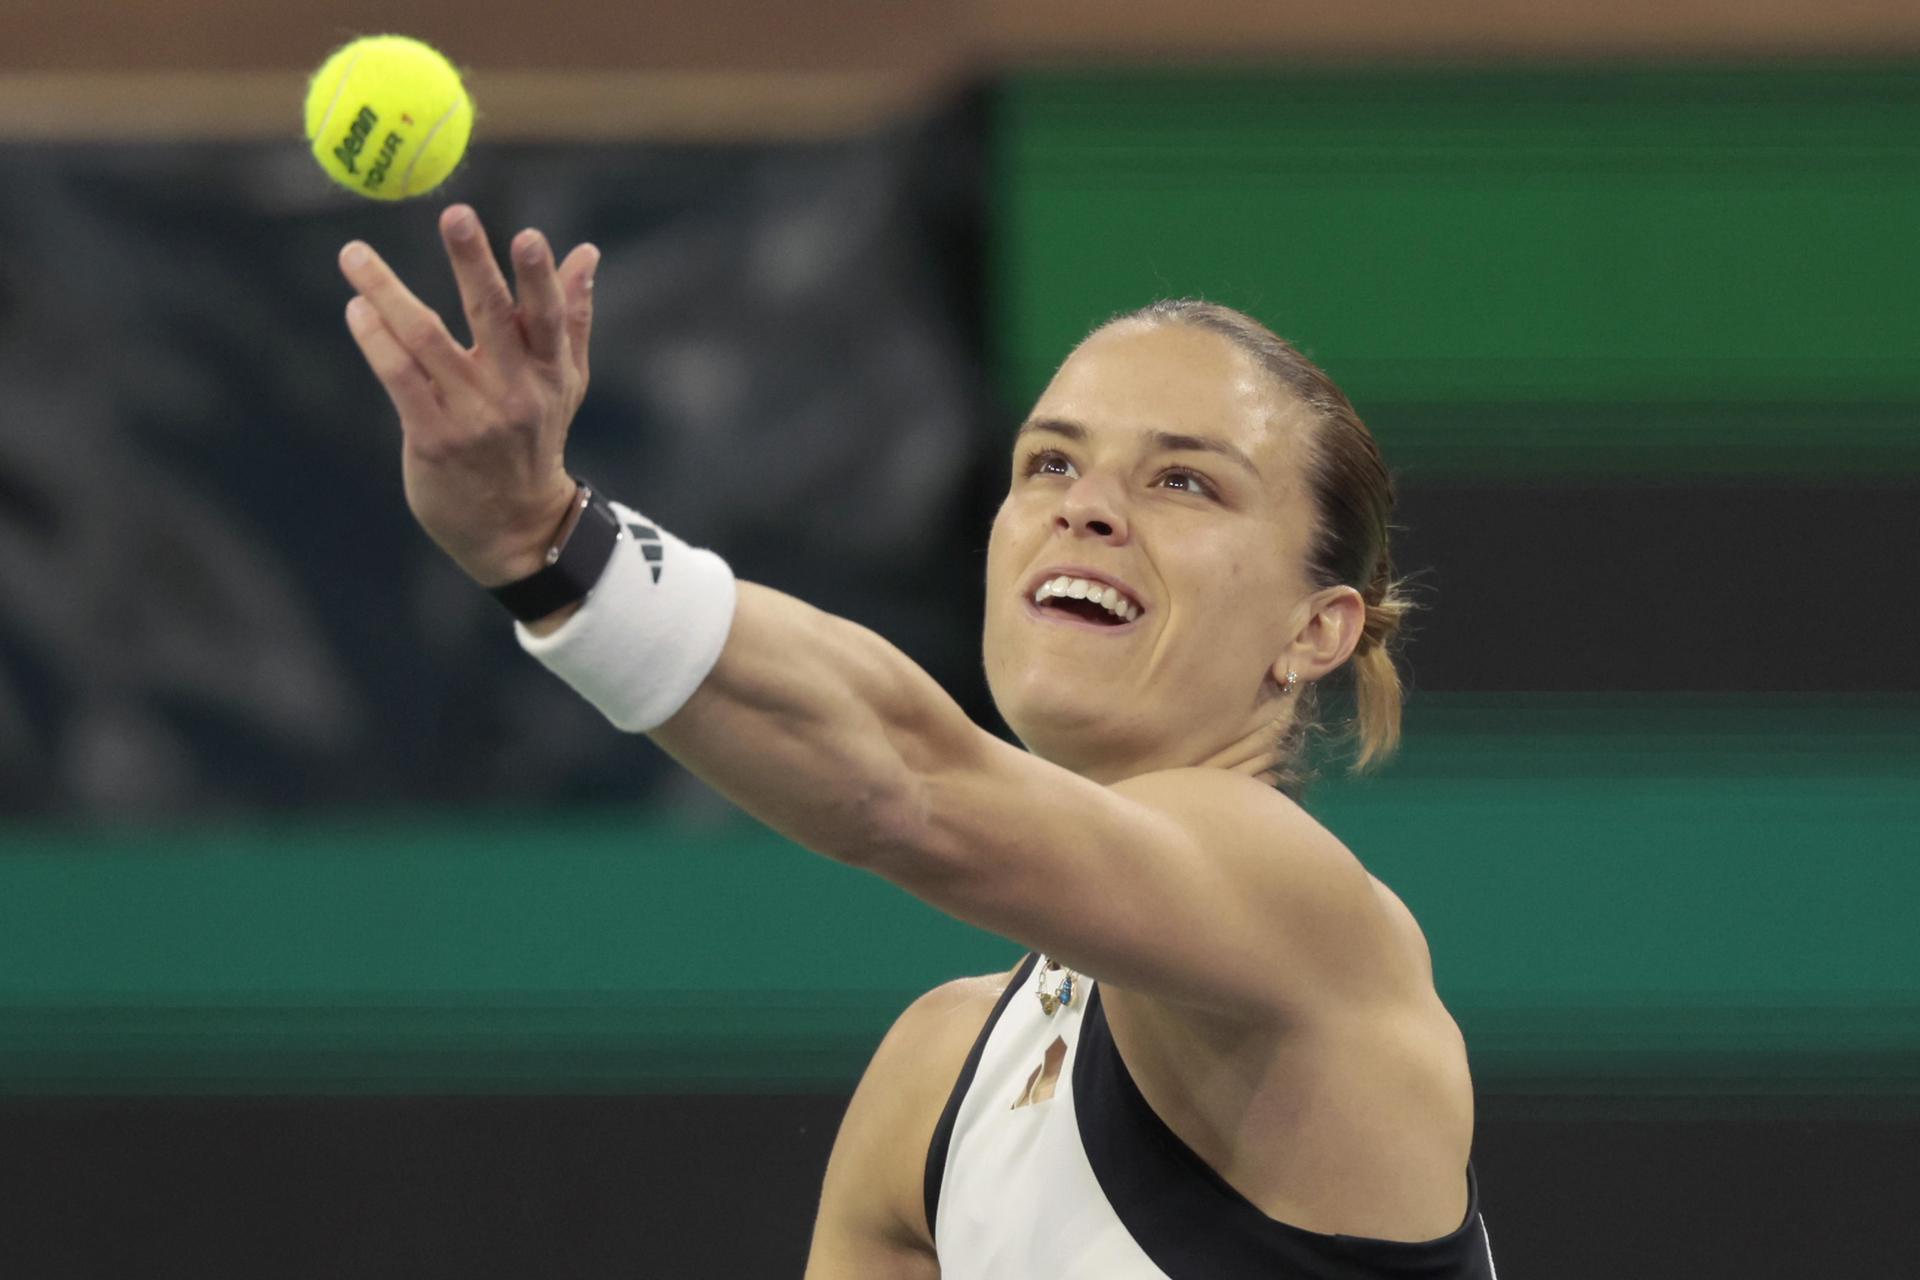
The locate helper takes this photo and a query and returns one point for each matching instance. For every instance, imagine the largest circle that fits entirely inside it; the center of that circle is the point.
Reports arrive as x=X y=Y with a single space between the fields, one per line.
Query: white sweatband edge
x=649 y=633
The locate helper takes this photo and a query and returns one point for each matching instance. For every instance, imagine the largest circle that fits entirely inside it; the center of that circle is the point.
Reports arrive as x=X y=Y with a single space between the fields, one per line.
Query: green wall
x=1710 y=896
x=1495 y=263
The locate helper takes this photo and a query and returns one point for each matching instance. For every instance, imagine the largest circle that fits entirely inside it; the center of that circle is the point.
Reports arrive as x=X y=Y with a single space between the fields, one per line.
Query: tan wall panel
x=783 y=68
x=919 y=35
x=733 y=35
x=1266 y=29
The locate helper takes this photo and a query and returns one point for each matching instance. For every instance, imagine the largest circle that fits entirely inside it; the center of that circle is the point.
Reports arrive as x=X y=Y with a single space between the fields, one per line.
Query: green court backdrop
x=1679 y=271
x=1714 y=896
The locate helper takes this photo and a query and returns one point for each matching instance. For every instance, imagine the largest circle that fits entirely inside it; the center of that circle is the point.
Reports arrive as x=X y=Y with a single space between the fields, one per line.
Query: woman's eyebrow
x=1163 y=441
x=1172 y=443
x=1052 y=426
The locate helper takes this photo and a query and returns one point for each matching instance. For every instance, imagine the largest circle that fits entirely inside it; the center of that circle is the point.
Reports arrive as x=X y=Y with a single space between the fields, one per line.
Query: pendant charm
x=1052 y=1001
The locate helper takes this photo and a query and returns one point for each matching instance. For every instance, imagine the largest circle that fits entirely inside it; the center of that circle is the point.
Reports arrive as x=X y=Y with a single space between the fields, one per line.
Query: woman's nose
x=1089 y=509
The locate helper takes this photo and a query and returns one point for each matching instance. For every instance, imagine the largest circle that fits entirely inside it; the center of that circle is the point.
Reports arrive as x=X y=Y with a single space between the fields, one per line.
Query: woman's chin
x=1070 y=733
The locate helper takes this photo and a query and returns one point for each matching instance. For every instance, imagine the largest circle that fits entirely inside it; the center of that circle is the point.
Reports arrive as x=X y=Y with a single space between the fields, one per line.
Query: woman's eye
x=1188 y=482
x=1049 y=463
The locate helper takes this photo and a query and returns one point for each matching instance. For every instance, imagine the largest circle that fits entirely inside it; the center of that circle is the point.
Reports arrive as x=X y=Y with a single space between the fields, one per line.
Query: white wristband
x=648 y=633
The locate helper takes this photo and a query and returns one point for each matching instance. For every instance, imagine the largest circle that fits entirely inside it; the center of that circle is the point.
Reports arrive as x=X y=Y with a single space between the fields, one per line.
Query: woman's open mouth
x=1087 y=600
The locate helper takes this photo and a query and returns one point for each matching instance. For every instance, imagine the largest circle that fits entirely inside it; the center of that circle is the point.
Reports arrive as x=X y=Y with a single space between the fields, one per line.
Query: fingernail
x=593 y=265
x=356 y=309
x=530 y=248
x=355 y=255
x=463 y=224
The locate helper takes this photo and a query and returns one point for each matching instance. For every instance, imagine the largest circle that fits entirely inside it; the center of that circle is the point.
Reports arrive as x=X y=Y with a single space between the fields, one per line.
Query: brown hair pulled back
x=1353 y=497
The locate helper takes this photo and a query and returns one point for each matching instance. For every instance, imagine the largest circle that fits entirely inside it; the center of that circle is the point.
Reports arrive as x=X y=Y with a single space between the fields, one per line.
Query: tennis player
x=1224 y=1055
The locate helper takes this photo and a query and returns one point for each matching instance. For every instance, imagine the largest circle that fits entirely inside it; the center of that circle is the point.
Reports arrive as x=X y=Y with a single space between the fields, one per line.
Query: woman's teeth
x=1108 y=598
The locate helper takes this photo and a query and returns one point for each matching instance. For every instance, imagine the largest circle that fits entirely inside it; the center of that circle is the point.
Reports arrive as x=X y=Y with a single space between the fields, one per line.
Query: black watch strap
x=574 y=563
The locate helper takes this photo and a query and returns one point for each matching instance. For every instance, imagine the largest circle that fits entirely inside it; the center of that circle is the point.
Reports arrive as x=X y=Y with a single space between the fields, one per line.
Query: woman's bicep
x=1195 y=885
x=872 y=1219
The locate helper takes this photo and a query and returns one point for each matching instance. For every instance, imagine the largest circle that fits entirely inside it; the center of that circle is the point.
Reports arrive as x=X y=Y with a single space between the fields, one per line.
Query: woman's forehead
x=1135 y=378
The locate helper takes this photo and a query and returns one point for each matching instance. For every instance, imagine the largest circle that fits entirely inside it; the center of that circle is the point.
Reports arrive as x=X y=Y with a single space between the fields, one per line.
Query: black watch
x=574 y=563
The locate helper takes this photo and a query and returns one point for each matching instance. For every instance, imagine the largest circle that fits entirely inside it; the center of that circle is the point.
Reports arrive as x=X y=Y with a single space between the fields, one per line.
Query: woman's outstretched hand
x=484 y=427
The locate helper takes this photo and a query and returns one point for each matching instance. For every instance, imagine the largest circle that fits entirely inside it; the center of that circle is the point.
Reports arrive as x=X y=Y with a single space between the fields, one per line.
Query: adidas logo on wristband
x=648 y=539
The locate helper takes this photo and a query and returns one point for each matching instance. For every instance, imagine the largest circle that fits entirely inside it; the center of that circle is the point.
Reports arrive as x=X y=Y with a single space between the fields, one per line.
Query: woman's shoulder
x=873 y=1216
x=1407 y=929
x=921 y=1056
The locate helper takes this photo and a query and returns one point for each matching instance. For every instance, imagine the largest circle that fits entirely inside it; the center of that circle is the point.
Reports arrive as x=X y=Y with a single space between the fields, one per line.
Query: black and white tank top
x=1048 y=1164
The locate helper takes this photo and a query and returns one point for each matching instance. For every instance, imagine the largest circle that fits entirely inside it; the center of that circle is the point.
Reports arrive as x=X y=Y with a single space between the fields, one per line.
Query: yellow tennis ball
x=388 y=117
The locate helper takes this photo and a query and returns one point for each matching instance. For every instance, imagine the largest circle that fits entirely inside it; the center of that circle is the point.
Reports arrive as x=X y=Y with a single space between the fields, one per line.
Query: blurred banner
x=1640 y=344
x=215 y=598
x=931 y=38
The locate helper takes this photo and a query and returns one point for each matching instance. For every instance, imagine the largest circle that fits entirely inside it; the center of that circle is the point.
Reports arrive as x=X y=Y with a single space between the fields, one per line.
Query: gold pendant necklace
x=1061 y=996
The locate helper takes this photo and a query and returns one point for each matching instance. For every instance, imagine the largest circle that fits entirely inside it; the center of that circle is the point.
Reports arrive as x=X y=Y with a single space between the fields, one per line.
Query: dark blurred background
x=336 y=938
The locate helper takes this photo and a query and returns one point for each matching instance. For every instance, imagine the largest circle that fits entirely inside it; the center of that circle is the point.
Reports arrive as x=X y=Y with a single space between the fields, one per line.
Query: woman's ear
x=1327 y=636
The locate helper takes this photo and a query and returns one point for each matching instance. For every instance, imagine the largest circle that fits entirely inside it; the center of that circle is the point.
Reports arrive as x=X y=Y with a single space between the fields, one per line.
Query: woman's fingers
x=543 y=310
x=576 y=280
x=407 y=384
x=416 y=326
x=485 y=428
x=483 y=290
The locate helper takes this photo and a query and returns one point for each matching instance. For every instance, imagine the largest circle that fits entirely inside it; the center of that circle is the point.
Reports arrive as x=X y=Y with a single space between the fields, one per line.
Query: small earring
x=1291 y=677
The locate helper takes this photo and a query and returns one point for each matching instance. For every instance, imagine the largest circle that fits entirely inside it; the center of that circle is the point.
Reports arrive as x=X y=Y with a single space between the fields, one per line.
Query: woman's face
x=1161 y=464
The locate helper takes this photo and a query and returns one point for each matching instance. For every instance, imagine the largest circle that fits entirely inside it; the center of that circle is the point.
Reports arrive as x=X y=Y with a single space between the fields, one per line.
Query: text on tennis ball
x=359 y=130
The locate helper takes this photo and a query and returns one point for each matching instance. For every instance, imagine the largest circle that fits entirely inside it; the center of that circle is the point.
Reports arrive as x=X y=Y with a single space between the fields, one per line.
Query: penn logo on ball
x=387 y=117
